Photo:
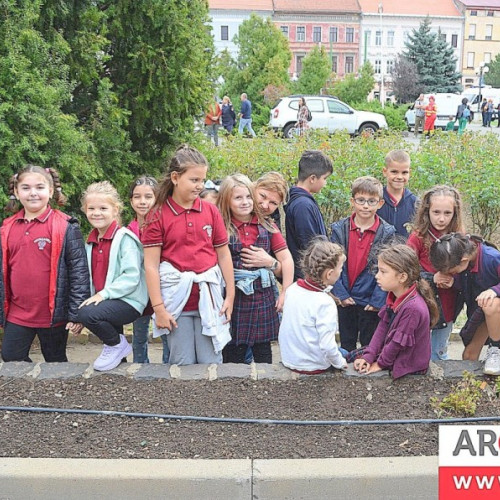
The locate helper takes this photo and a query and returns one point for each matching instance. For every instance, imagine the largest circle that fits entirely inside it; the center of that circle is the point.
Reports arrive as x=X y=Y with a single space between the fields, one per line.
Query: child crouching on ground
x=402 y=342
x=309 y=324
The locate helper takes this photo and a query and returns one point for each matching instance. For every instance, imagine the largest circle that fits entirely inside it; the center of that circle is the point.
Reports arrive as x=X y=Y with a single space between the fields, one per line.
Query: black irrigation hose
x=261 y=421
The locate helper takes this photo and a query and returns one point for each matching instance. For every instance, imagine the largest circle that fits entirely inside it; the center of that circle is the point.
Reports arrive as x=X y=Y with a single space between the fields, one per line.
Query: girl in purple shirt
x=402 y=342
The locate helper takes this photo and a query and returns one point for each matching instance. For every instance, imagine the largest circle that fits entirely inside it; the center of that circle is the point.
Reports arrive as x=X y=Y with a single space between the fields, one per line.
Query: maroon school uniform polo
x=188 y=238
x=358 y=249
x=29 y=247
x=101 y=247
x=248 y=233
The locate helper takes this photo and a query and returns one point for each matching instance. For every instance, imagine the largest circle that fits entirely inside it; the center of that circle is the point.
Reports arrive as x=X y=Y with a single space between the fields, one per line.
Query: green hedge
x=469 y=162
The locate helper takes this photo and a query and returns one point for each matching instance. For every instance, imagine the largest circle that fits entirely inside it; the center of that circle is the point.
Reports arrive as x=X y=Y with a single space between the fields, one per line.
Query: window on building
x=472 y=31
x=487 y=57
x=301 y=33
x=378 y=38
x=454 y=41
x=284 y=30
x=317 y=34
x=298 y=65
x=470 y=59
x=334 y=34
x=335 y=61
x=490 y=13
x=489 y=31
x=378 y=66
x=473 y=12
x=224 y=32
x=390 y=38
x=389 y=66
x=349 y=64
x=349 y=35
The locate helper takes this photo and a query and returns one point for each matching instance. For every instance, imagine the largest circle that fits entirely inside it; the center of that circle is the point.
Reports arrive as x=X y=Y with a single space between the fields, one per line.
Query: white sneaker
x=111 y=355
x=492 y=361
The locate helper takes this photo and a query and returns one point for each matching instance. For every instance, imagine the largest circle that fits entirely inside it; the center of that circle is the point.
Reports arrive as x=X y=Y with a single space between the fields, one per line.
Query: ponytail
x=425 y=290
x=448 y=251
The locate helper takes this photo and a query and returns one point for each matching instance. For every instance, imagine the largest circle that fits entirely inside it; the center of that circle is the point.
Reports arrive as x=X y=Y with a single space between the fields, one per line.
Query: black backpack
x=309 y=115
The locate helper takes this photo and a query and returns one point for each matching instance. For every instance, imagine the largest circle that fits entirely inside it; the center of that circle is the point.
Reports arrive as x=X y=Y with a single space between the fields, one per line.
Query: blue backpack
x=466 y=113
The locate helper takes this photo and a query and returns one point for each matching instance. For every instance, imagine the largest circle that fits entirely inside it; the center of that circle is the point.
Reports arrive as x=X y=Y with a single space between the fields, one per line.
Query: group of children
x=209 y=265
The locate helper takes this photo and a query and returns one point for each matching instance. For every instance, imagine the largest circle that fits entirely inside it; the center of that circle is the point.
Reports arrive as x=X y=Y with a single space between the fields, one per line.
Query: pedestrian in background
x=419 y=113
x=245 y=115
x=212 y=119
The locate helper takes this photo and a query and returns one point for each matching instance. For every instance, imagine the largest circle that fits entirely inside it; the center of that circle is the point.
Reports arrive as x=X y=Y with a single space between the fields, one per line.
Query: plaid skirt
x=254 y=318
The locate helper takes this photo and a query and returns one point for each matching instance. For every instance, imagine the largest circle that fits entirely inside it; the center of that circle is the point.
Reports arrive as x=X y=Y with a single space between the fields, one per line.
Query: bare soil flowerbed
x=331 y=397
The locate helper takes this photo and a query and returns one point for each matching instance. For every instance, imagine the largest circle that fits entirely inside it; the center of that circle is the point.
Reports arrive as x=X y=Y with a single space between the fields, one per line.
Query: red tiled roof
x=241 y=4
x=415 y=7
x=493 y=4
x=306 y=6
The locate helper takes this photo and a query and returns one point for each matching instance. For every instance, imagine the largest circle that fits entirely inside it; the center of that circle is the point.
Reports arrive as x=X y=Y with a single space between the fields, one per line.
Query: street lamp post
x=479 y=71
x=382 y=96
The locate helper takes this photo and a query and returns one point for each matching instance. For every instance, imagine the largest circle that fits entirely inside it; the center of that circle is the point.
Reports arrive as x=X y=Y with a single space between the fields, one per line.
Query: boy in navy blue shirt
x=399 y=202
x=303 y=218
x=362 y=234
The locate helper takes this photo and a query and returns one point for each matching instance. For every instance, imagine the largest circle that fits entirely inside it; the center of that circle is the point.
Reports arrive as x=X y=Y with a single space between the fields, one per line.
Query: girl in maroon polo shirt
x=44 y=275
x=142 y=196
x=401 y=343
x=115 y=261
x=440 y=212
x=255 y=321
x=187 y=261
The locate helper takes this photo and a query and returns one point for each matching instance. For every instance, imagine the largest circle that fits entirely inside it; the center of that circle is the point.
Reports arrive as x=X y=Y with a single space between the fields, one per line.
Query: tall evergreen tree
x=434 y=59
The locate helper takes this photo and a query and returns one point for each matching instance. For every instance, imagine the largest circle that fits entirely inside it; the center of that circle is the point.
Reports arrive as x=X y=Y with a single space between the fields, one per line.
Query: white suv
x=327 y=112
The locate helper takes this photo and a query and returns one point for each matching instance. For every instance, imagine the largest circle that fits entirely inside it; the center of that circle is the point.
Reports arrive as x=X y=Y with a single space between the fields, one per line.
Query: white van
x=447 y=105
x=474 y=98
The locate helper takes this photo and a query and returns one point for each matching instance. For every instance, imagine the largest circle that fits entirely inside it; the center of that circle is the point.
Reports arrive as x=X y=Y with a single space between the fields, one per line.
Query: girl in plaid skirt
x=255 y=320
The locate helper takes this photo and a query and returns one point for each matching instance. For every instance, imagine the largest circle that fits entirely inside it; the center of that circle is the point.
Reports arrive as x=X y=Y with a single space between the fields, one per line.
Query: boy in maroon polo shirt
x=361 y=235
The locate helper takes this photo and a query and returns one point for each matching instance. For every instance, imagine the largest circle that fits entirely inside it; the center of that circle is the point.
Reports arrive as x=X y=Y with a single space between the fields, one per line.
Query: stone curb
x=385 y=478
x=254 y=371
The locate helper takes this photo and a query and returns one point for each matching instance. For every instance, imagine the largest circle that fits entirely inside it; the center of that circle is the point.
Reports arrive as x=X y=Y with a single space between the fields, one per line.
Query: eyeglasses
x=362 y=201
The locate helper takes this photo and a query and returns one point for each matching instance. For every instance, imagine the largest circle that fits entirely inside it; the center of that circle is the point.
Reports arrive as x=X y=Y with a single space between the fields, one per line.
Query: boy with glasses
x=362 y=235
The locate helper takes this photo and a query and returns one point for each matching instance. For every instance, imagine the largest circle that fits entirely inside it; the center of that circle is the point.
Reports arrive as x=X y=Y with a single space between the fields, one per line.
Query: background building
x=333 y=24
x=227 y=17
x=481 y=37
x=386 y=25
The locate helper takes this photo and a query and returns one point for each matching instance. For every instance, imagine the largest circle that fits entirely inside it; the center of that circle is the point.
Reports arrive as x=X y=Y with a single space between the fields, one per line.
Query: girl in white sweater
x=309 y=324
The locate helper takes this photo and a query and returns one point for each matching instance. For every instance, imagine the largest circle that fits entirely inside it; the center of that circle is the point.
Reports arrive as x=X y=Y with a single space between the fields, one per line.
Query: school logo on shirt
x=208 y=229
x=42 y=242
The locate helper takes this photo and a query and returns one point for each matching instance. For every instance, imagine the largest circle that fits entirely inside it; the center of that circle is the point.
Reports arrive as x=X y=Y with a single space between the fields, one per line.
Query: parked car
x=327 y=112
x=447 y=105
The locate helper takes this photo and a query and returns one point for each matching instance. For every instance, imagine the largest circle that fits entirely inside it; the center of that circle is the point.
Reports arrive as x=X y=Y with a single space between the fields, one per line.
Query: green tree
x=150 y=63
x=492 y=77
x=34 y=87
x=263 y=59
x=405 y=80
x=354 y=89
x=434 y=59
x=316 y=70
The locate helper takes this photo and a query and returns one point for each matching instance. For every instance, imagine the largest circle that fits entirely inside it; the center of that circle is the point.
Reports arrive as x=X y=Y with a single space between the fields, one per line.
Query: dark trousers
x=354 y=321
x=107 y=318
x=262 y=353
x=17 y=341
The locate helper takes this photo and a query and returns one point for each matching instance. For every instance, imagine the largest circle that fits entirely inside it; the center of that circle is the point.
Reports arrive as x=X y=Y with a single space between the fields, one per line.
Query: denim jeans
x=140 y=341
x=439 y=342
x=17 y=341
x=246 y=122
x=213 y=131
